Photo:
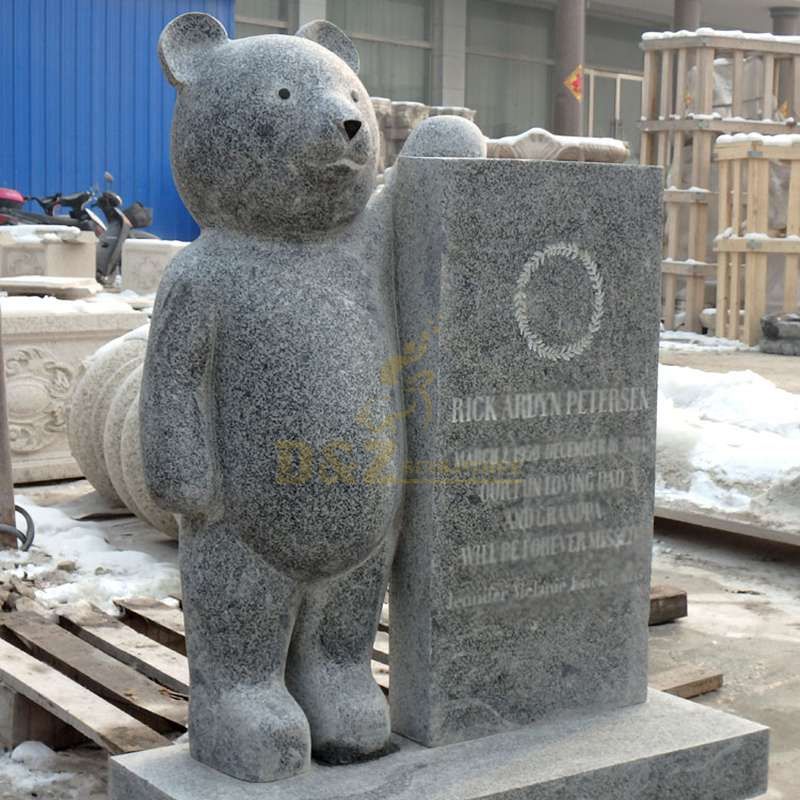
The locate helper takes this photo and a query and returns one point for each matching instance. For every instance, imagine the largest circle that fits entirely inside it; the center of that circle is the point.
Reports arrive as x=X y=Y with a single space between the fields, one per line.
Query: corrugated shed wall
x=82 y=92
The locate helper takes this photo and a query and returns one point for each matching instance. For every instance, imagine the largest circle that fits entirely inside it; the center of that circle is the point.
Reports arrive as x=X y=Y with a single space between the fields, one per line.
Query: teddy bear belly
x=311 y=459
x=324 y=536
x=312 y=510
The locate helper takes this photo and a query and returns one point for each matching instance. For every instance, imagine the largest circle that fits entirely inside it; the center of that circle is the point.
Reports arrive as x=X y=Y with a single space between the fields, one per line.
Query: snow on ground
x=698 y=342
x=728 y=443
x=97 y=563
x=34 y=770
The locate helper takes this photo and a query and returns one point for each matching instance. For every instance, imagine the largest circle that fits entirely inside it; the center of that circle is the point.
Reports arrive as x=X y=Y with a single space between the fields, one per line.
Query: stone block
x=53 y=250
x=51 y=286
x=528 y=310
x=44 y=344
x=665 y=748
x=144 y=262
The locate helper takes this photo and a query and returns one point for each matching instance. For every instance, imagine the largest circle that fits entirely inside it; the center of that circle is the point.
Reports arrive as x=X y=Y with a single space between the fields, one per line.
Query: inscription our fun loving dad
x=521 y=585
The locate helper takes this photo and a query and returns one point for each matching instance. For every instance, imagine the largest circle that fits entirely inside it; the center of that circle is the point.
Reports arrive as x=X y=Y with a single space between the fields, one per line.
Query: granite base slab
x=665 y=749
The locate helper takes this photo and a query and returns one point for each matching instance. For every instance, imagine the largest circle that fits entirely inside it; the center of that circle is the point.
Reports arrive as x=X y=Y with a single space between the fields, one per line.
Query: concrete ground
x=783 y=371
x=744 y=603
x=744 y=621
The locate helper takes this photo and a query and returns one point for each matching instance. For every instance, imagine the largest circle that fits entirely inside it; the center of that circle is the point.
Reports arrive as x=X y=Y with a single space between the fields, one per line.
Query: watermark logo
x=372 y=462
x=403 y=374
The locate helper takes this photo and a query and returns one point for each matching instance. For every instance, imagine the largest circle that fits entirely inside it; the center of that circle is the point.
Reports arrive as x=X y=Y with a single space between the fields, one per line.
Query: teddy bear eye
x=354 y=95
x=284 y=94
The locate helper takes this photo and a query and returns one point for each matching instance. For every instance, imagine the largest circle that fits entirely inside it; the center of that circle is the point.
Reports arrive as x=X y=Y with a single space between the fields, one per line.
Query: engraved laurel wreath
x=564 y=352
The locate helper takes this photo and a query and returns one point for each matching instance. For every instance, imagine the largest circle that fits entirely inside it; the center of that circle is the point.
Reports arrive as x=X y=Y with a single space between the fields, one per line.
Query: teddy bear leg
x=329 y=663
x=239 y=616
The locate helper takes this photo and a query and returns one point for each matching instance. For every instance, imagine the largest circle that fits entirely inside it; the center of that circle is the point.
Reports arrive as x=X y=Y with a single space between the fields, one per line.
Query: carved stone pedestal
x=45 y=342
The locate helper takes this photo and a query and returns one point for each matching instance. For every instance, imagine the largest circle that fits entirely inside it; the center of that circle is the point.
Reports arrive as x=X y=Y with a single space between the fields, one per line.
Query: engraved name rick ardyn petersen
x=527 y=405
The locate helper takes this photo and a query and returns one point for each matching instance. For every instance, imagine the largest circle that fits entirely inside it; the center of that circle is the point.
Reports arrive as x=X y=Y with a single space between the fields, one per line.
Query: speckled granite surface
x=665 y=749
x=272 y=416
x=521 y=584
x=268 y=339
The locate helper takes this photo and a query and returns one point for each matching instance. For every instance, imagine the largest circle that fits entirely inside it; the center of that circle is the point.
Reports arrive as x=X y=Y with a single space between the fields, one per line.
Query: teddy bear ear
x=335 y=39
x=184 y=43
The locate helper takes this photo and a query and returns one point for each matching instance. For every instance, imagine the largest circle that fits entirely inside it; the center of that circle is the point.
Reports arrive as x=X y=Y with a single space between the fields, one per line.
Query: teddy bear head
x=272 y=135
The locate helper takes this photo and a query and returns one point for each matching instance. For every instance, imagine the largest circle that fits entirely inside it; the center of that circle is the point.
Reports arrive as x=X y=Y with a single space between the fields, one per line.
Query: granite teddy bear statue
x=264 y=357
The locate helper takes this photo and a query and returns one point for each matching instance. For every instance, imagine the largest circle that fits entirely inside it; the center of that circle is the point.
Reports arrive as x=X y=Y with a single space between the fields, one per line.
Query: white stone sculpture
x=103 y=425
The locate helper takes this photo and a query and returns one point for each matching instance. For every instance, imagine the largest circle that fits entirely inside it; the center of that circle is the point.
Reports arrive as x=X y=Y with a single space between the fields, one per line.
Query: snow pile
x=34 y=755
x=132 y=298
x=102 y=571
x=778 y=140
x=729 y=444
x=27 y=767
x=697 y=342
x=35 y=234
x=34 y=770
x=704 y=32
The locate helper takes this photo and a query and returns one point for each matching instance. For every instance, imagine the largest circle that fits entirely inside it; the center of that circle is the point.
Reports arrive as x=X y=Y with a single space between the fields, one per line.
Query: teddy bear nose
x=351 y=127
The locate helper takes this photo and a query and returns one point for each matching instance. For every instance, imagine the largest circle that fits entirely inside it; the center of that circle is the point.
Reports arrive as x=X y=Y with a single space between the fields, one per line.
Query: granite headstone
x=520 y=589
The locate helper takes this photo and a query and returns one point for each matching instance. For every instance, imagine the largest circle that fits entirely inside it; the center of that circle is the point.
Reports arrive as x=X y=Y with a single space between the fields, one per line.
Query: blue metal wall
x=81 y=92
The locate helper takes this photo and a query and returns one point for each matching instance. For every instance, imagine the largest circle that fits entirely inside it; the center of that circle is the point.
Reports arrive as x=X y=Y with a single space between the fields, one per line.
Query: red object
x=574 y=82
x=10 y=198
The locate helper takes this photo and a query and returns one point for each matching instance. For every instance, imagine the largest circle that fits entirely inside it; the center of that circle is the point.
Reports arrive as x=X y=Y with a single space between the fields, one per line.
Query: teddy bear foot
x=348 y=714
x=253 y=733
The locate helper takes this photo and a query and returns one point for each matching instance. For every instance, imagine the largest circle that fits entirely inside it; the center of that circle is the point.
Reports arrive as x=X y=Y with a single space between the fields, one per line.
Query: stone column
x=302 y=11
x=7 y=515
x=449 y=40
x=686 y=16
x=785 y=22
x=570 y=43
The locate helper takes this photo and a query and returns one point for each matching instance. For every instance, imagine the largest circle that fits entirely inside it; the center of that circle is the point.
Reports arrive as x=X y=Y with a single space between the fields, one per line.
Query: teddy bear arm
x=176 y=427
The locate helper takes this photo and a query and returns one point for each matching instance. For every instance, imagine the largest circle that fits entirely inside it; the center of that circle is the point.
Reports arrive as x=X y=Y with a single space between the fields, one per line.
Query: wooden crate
x=745 y=239
x=673 y=118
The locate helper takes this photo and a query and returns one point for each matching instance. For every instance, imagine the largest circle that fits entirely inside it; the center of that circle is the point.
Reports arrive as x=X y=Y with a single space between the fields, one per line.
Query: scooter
x=109 y=245
x=12 y=212
x=111 y=235
x=79 y=210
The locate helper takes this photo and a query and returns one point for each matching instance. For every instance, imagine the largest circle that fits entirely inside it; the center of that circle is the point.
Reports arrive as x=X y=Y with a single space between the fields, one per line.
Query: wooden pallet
x=713 y=524
x=89 y=677
x=745 y=199
x=124 y=684
x=667 y=604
